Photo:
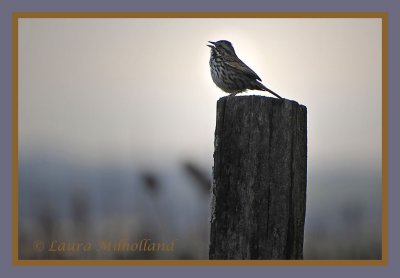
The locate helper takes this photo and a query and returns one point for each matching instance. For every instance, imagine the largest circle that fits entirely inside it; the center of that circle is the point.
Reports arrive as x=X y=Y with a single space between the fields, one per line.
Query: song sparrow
x=229 y=73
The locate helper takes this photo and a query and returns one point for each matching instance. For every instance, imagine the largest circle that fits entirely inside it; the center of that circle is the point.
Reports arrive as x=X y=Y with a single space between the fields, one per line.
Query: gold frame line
x=382 y=262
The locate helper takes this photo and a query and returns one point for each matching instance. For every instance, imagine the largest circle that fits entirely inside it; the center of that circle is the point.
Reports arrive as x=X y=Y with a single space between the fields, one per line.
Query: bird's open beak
x=212 y=44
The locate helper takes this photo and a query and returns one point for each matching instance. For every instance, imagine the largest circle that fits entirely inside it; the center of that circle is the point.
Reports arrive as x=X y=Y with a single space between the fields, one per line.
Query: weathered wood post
x=260 y=175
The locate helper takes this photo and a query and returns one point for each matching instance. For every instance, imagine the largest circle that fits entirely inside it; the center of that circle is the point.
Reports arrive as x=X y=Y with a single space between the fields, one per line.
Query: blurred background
x=117 y=118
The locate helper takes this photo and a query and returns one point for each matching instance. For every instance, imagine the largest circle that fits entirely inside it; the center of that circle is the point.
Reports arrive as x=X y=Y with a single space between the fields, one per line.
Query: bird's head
x=222 y=48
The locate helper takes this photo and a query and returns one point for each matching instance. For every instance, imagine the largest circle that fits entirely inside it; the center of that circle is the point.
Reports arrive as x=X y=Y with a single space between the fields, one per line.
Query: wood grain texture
x=260 y=176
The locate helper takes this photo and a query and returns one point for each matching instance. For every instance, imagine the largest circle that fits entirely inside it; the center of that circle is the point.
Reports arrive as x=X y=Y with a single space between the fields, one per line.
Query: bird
x=229 y=73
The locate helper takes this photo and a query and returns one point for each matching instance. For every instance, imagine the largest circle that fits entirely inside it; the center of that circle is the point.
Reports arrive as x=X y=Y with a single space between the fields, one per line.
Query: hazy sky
x=129 y=89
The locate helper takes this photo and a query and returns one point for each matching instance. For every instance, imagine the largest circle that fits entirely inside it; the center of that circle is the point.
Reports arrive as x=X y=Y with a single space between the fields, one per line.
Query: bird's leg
x=233 y=94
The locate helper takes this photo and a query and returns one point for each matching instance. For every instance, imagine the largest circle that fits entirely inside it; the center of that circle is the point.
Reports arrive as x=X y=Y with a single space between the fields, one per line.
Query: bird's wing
x=239 y=65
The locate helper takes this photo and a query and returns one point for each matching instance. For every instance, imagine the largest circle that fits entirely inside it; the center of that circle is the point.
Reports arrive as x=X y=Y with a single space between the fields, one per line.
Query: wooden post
x=260 y=175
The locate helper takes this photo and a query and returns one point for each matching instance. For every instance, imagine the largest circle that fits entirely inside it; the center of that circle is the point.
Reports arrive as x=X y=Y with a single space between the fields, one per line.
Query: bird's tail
x=263 y=88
